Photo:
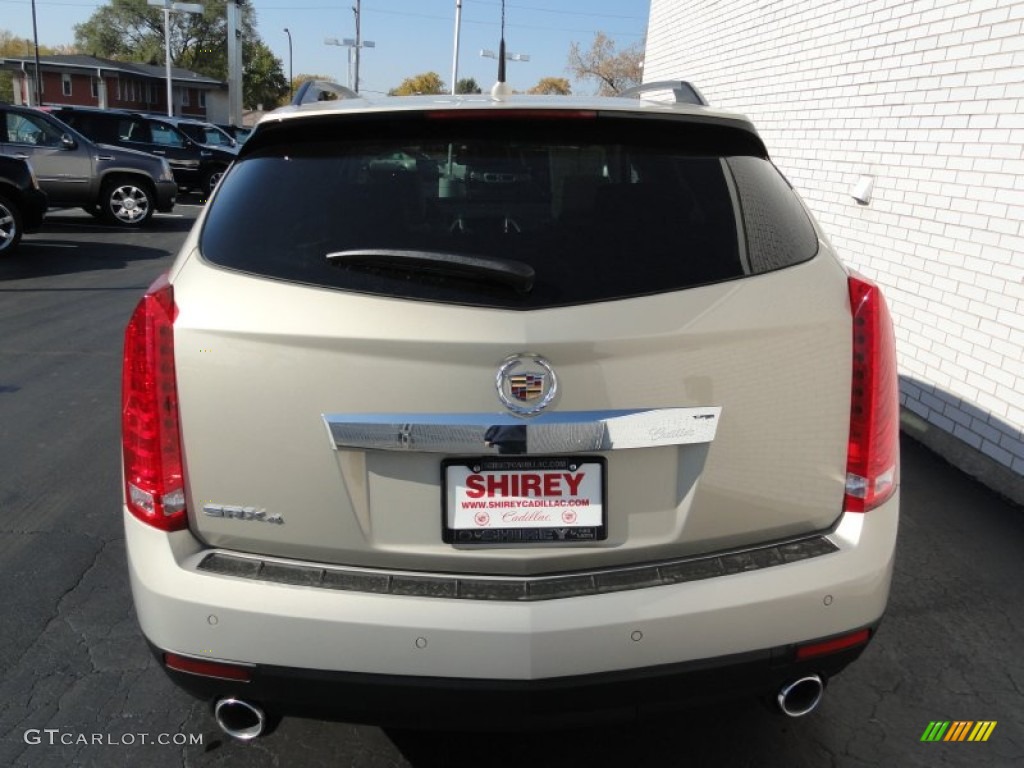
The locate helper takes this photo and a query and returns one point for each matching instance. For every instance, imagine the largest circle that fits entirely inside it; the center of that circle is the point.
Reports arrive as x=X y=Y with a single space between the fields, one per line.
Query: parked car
x=549 y=407
x=196 y=166
x=119 y=185
x=237 y=132
x=22 y=202
x=202 y=132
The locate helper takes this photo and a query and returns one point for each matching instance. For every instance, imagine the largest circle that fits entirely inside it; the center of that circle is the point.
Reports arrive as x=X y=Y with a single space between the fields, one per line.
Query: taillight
x=836 y=644
x=872 y=458
x=153 y=478
x=218 y=669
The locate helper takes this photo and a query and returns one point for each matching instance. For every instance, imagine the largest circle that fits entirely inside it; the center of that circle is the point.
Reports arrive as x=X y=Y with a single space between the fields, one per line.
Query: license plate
x=527 y=500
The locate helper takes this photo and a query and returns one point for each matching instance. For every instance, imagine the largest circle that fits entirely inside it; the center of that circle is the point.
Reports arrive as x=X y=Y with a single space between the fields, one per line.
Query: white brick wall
x=927 y=96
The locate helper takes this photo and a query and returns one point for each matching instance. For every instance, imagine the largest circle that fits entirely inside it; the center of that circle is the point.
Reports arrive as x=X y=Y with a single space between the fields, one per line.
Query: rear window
x=595 y=209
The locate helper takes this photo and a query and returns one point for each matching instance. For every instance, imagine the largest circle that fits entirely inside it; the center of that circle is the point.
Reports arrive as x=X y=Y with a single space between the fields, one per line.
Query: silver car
x=121 y=186
x=479 y=410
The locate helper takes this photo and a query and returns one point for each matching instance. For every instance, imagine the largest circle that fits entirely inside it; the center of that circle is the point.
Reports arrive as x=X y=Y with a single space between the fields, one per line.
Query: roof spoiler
x=684 y=92
x=312 y=91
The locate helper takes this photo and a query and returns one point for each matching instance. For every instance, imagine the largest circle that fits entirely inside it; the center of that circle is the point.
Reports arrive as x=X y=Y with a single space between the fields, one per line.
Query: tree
x=428 y=82
x=21 y=48
x=263 y=82
x=613 y=71
x=467 y=85
x=132 y=30
x=557 y=86
x=303 y=77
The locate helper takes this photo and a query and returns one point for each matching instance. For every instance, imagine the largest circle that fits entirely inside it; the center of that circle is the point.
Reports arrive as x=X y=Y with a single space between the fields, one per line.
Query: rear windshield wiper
x=514 y=274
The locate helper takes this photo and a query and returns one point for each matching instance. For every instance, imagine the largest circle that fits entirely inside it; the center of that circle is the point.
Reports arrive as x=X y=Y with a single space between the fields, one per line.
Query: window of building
x=94 y=87
x=202 y=99
x=65 y=84
x=186 y=97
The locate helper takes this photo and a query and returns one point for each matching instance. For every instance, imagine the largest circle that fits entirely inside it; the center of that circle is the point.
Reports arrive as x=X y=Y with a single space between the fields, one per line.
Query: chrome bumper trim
x=514 y=589
x=547 y=433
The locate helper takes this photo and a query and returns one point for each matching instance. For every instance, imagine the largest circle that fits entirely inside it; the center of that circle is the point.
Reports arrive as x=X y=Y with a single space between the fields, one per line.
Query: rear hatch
x=509 y=345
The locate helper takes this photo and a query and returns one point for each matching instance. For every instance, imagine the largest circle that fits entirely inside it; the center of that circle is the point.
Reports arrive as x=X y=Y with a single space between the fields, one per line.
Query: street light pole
x=359 y=43
x=346 y=43
x=39 y=81
x=351 y=44
x=455 y=53
x=167 y=59
x=291 y=73
x=168 y=7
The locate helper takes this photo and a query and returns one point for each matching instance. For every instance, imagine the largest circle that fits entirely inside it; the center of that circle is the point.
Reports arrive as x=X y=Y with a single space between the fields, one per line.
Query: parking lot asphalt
x=79 y=687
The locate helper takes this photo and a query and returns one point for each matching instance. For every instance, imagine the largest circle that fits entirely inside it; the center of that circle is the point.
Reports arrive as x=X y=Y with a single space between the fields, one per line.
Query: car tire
x=211 y=178
x=126 y=202
x=10 y=225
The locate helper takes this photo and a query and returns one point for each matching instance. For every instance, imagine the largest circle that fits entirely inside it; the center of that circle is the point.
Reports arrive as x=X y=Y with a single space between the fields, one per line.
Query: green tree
x=428 y=82
x=21 y=48
x=263 y=81
x=132 y=30
x=613 y=71
x=467 y=85
x=557 y=86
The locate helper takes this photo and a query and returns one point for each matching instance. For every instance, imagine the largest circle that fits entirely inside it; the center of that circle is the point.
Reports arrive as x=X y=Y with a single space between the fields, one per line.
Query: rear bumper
x=722 y=636
x=457 y=704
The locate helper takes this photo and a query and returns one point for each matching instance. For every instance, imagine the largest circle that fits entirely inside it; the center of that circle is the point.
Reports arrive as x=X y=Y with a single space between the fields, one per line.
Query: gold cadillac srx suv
x=453 y=407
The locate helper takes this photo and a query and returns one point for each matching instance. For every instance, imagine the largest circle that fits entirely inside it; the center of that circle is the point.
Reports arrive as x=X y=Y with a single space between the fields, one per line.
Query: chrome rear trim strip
x=547 y=433
x=512 y=588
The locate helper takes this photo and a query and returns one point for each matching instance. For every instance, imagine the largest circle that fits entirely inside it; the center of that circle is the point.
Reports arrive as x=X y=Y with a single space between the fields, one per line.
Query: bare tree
x=613 y=71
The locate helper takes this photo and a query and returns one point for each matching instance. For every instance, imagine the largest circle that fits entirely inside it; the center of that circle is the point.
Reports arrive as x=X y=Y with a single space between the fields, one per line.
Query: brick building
x=94 y=82
x=920 y=105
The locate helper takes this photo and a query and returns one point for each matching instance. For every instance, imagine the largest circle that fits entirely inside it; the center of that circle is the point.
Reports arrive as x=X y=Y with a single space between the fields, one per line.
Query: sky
x=410 y=36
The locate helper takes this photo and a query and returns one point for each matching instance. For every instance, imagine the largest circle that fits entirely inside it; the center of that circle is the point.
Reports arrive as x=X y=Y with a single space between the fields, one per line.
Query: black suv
x=196 y=166
x=22 y=202
x=203 y=132
x=119 y=185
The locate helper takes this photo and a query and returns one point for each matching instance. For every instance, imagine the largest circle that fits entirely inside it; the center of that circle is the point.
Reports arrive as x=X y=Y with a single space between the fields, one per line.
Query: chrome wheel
x=126 y=203
x=10 y=226
x=212 y=179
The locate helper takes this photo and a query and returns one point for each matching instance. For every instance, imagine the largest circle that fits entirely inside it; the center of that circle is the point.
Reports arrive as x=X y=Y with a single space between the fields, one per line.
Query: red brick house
x=94 y=82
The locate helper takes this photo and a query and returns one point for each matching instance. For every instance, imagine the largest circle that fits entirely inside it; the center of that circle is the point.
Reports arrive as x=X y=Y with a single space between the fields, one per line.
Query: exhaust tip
x=801 y=696
x=240 y=719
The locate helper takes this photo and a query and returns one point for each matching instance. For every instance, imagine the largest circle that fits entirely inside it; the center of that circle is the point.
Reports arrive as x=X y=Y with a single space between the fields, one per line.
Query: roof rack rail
x=312 y=91
x=684 y=92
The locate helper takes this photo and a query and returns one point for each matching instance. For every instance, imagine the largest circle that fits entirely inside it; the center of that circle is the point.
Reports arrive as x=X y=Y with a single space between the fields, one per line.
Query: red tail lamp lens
x=151 y=441
x=872 y=459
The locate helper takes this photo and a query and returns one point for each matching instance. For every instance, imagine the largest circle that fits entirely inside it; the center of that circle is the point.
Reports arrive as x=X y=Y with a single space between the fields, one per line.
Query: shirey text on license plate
x=526 y=499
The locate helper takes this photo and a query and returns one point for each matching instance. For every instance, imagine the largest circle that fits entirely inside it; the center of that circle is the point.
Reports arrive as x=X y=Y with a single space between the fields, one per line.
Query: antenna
x=501 y=46
x=501 y=89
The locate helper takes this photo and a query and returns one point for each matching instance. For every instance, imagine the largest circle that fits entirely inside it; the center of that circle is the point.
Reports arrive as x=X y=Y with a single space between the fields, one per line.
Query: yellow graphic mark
x=982 y=730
